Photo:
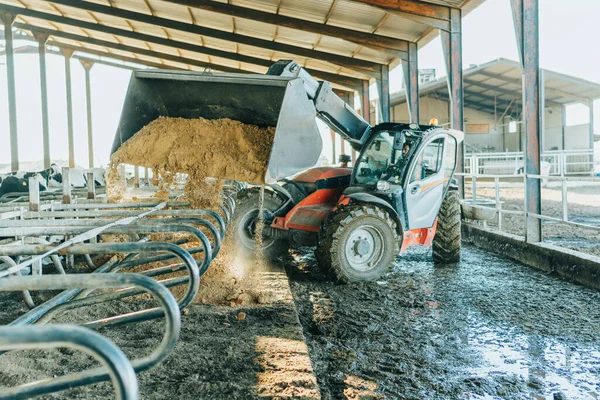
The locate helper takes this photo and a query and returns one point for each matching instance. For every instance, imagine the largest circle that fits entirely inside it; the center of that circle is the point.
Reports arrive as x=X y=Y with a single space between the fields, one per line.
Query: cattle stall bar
x=109 y=240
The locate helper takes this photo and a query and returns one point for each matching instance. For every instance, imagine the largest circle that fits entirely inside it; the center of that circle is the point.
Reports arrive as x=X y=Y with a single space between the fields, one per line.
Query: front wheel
x=245 y=219
x=446 y=243
x=358 y=243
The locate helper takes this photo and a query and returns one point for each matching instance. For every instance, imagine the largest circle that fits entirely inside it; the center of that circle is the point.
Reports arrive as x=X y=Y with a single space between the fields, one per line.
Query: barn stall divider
x=43 y=237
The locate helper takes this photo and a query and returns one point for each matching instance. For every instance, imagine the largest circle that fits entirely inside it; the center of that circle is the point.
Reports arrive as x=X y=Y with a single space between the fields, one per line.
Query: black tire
x=246 y=213
x=446 y=243
x=373 y=234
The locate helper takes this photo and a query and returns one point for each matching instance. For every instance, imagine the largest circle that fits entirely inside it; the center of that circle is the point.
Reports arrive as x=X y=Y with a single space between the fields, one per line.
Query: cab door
x=428 y=177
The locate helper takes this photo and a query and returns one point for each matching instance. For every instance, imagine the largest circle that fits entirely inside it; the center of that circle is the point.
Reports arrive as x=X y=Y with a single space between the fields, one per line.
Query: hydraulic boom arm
x=332 y=110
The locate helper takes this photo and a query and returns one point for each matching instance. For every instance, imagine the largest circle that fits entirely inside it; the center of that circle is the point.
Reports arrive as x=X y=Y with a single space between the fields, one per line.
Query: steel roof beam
x=396 y=47
x=334 y=78
x=434 y=15
x=366 y=67
x=341 y=80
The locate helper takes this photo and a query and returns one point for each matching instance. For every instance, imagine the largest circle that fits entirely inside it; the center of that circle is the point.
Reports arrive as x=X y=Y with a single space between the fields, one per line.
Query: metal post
x=565 y=204
x=452 y=47
x=8 y=20
x=68 y=53
x=542 y=111
x=87 y=66
x=34 y=194
x=592 y=123
x=91 y=186
x=526 y=19
x=332 y=147
x=410 y=71
x=42 y=38
x=383 y=86
x=136 y=176
x=564 y=125
x=351 y=103
x=498 y=204
x=365 y=104
x=66 y=186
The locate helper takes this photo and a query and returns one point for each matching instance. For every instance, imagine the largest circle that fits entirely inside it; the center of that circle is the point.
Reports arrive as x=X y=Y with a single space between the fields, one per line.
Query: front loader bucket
x=262 y=100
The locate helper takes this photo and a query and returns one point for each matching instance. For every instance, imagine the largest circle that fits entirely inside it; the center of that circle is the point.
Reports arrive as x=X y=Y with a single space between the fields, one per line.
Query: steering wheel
x=393 y=169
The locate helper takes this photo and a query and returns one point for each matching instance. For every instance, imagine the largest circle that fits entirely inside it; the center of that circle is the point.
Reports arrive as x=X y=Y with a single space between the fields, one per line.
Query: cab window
x=429 y=162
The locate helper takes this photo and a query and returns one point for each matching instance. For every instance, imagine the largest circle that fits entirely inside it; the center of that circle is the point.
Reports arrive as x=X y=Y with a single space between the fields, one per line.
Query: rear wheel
x=358 y=243
x=446 y=243
x=245 y=219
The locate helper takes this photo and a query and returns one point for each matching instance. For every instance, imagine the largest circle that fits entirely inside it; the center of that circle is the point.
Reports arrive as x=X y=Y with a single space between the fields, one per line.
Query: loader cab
x=386 y=154
x=409 y=168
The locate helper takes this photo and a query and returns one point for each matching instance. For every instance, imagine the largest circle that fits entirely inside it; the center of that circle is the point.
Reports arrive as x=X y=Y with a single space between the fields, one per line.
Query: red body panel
x=415 y=237
x=314 y=174
x=312 y=210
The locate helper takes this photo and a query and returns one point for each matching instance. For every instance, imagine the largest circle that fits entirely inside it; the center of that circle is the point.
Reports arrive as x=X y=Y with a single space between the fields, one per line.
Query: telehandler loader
x=399 y=193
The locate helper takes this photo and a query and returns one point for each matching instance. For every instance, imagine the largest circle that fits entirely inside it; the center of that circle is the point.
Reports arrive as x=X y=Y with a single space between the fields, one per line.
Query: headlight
x=383 y=186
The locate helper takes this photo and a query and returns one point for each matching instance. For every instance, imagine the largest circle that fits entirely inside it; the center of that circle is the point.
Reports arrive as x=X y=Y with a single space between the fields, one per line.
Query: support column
x=87 y=66
x=592 y=123
x=383 y=87
x=42 y=38
x=365 y=103
x=410 y=72
x=542 y=112
x=68 y=53
x=563 y=116
x=526 y=19
x=333 y=160
x=452 y=47
x=7 y=20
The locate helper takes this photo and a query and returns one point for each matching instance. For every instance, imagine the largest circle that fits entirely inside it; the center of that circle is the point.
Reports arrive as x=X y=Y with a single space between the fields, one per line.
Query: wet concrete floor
x=488 y=328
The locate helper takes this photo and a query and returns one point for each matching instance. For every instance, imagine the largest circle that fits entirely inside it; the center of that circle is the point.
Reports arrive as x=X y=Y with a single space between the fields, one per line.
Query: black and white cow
x=18 y=182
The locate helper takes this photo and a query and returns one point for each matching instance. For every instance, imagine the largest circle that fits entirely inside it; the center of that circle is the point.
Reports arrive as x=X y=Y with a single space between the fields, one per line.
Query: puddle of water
x=546 y=364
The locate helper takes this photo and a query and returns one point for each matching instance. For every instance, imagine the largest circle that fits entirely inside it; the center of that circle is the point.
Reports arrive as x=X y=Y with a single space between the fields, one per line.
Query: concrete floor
x=485 y=329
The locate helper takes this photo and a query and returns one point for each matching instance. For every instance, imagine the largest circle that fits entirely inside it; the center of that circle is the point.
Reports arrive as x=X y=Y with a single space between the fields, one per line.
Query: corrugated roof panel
x=131 y=5
x=356 y=15
x=307 y=38
x=219 y=44
x=368 y=54
x=108 y=20
x=253 y=28
x=253 y=68
x=262 y=5
x=312 y=10
x=194 y=55
x=212 y=20
x=163 y=49
x=170 y=11
x=337 y=46
x=149 y=29
x=255 y=51
x=398 y=27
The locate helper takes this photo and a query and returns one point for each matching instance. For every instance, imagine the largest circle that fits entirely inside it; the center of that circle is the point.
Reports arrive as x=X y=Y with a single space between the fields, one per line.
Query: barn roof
x=343 y=41
x=498 y=84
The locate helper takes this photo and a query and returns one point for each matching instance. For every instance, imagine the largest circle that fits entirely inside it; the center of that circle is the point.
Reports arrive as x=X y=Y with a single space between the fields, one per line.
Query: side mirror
x=398 y=140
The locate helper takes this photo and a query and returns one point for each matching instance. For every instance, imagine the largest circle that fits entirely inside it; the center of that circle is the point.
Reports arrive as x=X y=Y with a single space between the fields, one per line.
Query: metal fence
x=494 y=206
x=554 y=163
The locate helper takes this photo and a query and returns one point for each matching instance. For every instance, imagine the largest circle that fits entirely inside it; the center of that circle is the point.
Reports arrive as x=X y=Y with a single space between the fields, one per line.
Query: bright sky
x=568 y=29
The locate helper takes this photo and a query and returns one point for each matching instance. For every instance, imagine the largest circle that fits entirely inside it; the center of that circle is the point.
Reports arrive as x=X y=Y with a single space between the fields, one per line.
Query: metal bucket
x=262 y=100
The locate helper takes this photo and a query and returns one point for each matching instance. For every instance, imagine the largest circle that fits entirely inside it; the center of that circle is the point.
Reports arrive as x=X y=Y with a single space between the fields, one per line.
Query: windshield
x=379 y=161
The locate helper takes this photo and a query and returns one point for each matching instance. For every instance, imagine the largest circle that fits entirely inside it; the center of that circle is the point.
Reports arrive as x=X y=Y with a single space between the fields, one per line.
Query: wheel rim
x=364 y=248
x=246 y=227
